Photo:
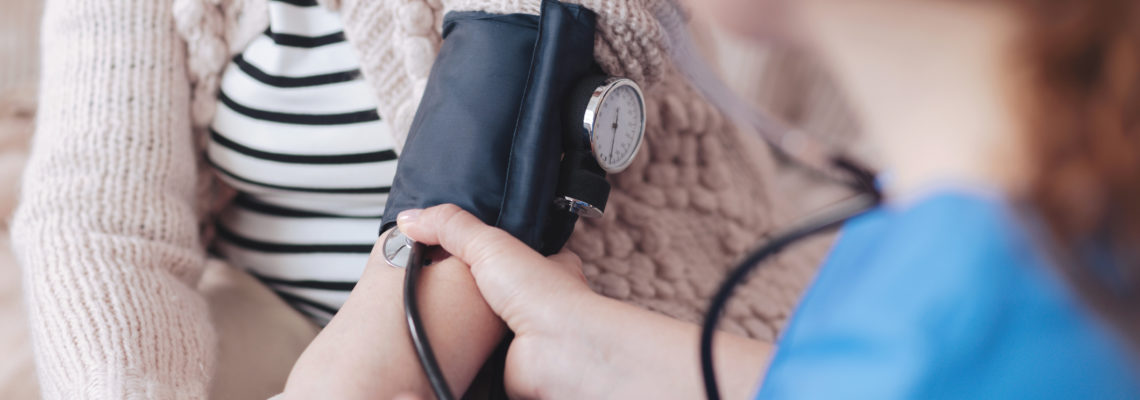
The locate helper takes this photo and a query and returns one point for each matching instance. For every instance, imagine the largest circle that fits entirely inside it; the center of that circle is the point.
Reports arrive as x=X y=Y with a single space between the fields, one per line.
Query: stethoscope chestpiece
x=397 y=248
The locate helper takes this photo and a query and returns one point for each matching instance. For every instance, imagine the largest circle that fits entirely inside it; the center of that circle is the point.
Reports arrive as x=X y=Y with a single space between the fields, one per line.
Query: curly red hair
x=1082 y=59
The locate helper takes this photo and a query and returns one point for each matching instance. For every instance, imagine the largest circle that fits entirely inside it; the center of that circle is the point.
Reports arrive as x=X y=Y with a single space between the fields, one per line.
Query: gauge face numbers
x=618 y=128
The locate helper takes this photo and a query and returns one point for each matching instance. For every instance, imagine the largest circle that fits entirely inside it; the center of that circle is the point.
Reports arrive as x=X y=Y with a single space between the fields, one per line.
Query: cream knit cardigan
x=110 y=229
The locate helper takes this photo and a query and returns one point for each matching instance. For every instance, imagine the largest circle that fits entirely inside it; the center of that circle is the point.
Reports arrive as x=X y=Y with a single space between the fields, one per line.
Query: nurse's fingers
x=466 y=237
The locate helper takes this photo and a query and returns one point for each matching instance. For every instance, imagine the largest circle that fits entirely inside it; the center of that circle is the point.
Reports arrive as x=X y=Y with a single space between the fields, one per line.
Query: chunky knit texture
x=116 y=204
x=105 y=231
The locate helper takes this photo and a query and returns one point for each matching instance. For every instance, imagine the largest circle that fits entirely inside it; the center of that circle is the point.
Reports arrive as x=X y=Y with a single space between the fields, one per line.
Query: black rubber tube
x=420 y=341
x=869 y=197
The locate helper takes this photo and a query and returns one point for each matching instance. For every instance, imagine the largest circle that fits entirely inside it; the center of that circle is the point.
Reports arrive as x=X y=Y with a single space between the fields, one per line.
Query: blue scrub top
x=946 y=297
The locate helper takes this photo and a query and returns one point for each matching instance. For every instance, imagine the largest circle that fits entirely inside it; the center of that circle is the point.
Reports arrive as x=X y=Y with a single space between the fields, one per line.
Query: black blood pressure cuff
x=488 y=134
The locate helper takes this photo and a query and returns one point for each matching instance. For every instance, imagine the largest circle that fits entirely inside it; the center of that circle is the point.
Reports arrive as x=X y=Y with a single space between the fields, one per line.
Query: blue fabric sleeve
x=944 y=299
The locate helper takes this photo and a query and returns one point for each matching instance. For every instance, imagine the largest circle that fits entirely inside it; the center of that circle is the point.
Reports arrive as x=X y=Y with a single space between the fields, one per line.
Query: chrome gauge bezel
x=589 y=120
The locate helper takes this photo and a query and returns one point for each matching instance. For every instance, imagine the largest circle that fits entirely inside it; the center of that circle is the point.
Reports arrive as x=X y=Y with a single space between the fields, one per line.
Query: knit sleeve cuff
x=108 y=322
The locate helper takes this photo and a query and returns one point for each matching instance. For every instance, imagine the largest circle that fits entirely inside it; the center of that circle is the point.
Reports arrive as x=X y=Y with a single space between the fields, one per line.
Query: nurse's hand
x=517 y=282
x=571 y=343
x=538 y=297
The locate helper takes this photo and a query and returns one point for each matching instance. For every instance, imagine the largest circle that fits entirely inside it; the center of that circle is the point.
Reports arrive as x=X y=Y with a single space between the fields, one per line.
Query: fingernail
x=407 y=216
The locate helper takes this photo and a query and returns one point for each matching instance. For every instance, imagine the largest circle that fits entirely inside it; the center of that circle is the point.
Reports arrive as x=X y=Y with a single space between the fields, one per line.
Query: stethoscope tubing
x=420 y=341
x=868 y=197
x=836 y=216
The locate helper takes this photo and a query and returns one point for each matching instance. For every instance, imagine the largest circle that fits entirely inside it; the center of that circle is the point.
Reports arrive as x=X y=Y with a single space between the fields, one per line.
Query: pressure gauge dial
x=614 y=121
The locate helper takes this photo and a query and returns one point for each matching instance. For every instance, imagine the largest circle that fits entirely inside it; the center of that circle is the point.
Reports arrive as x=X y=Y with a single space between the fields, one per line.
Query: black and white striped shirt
x=297 y=134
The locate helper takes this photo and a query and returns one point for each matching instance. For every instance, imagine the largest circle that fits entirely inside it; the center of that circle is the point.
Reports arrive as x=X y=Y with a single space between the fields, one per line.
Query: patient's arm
x=366 y=351
x=107 y=233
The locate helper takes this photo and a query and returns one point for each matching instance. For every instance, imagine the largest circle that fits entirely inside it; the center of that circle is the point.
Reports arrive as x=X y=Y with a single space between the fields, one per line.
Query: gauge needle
x=614 y=137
